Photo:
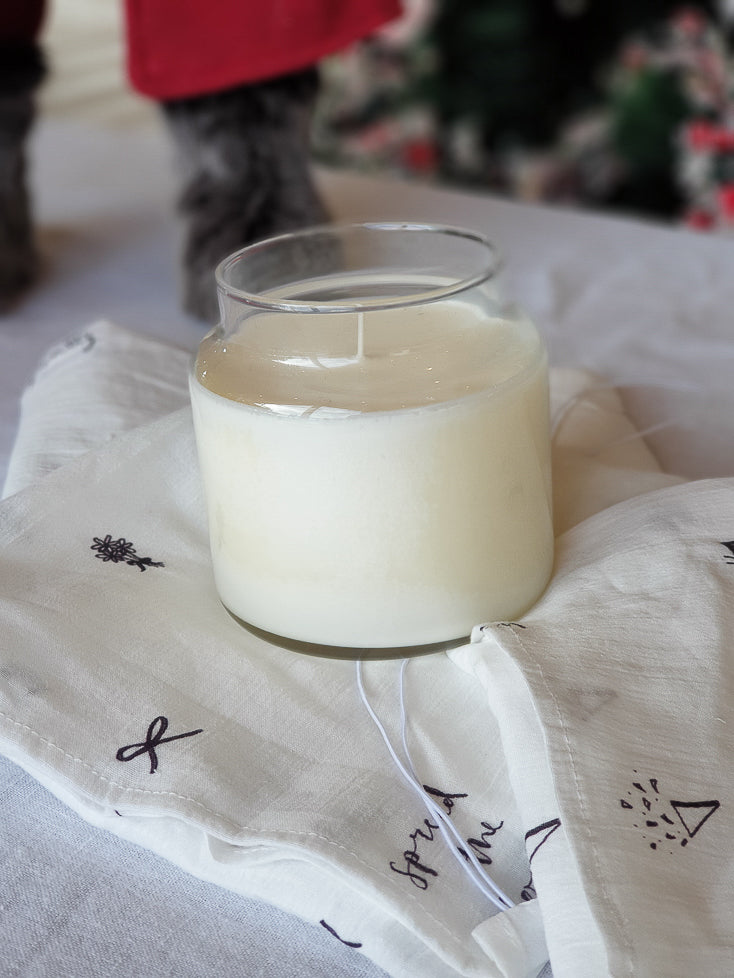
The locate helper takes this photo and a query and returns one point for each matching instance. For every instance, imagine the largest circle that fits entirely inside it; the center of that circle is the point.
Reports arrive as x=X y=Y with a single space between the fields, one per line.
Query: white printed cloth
x=552 y=743
x=613 y=697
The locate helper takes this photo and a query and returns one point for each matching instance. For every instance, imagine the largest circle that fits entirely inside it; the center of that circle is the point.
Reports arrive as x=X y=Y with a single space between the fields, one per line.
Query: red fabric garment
x=179 y=48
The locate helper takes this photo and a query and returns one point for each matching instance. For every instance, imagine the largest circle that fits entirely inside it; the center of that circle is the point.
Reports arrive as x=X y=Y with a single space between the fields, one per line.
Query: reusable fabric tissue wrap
x=551 y=743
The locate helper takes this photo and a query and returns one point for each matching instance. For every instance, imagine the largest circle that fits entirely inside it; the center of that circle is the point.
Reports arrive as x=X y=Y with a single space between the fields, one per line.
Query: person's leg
x=237 y=90
x=243 y=156
x=21 y=70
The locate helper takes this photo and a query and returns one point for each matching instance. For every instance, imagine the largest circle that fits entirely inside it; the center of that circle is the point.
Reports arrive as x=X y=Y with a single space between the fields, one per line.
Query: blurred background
x=624 y=106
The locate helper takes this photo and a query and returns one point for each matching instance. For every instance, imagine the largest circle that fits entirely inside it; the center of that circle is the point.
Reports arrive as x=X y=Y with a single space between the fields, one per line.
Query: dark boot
x=245 y=165
x=21 y=70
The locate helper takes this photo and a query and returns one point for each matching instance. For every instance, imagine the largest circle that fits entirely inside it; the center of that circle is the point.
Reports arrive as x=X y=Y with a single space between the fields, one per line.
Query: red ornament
x=699 y=219
x=420 y=156
x=725 y=196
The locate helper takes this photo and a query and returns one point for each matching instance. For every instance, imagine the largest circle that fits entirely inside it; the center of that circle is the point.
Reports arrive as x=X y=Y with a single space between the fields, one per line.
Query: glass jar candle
x=372 y=429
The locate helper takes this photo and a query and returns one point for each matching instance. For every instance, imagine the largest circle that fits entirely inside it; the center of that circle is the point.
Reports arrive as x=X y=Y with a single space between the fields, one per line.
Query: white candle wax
x=376 y=479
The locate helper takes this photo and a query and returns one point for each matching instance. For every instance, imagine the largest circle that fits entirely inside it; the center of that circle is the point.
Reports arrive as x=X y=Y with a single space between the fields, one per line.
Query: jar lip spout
x=380 y=265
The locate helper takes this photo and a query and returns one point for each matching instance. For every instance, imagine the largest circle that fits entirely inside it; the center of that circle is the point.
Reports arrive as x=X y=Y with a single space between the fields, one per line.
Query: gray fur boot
x=21 y=70
x=243 y=154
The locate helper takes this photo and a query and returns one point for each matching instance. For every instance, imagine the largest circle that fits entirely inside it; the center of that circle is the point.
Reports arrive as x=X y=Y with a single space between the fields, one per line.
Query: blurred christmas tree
x=558 y=100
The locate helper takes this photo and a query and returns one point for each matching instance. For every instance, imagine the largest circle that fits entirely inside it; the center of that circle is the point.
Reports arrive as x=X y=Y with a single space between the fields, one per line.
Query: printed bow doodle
x=153 y=738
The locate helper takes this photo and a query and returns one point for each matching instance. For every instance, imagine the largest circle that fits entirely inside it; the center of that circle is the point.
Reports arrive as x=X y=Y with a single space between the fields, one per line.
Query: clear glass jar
x=372 y=428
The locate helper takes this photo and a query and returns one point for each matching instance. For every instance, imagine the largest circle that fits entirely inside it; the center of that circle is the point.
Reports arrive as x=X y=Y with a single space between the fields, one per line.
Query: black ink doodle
x=414 y=868
x=448 y=801
x=83 y=342
x=153 y=738
x=653 y=812
x=693 y=813
x=334 y=933
x=505 y=624
x=729 y=544
x=121 y=551
x=481 y=845
x=588 y=702
x=538 y=836
x=545 y=830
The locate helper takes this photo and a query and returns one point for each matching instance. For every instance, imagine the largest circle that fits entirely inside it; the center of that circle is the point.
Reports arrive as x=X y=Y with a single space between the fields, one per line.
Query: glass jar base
x=340 y=652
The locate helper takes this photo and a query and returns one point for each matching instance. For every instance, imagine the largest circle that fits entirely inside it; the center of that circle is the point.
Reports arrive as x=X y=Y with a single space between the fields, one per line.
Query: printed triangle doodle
x=694 y=813
x=591 y=701
x=547 y=829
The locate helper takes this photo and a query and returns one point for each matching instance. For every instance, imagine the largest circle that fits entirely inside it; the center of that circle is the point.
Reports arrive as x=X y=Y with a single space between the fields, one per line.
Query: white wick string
x=360 y=335
x=473 y=868
x=642 y=433
x=587 y=393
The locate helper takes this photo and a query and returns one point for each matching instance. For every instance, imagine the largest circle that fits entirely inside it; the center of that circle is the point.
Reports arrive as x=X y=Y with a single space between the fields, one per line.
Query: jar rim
x=484 y=271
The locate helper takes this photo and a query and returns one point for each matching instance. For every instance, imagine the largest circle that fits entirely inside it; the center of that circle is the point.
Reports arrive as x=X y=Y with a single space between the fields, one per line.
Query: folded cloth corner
x=90 y=387
x=612 y=700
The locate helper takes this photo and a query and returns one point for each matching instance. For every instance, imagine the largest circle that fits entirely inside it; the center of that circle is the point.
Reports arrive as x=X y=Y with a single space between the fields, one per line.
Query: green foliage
x=646 y=115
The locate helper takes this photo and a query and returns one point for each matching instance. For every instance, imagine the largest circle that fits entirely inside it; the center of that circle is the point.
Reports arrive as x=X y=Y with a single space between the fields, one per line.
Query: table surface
x=649 y=308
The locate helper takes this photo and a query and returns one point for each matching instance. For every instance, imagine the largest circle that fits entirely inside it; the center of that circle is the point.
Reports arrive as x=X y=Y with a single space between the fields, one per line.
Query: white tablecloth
x=647 y=307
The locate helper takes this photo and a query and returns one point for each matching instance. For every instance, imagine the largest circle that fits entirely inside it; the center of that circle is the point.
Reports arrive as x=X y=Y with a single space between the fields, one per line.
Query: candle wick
x=360 y=335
